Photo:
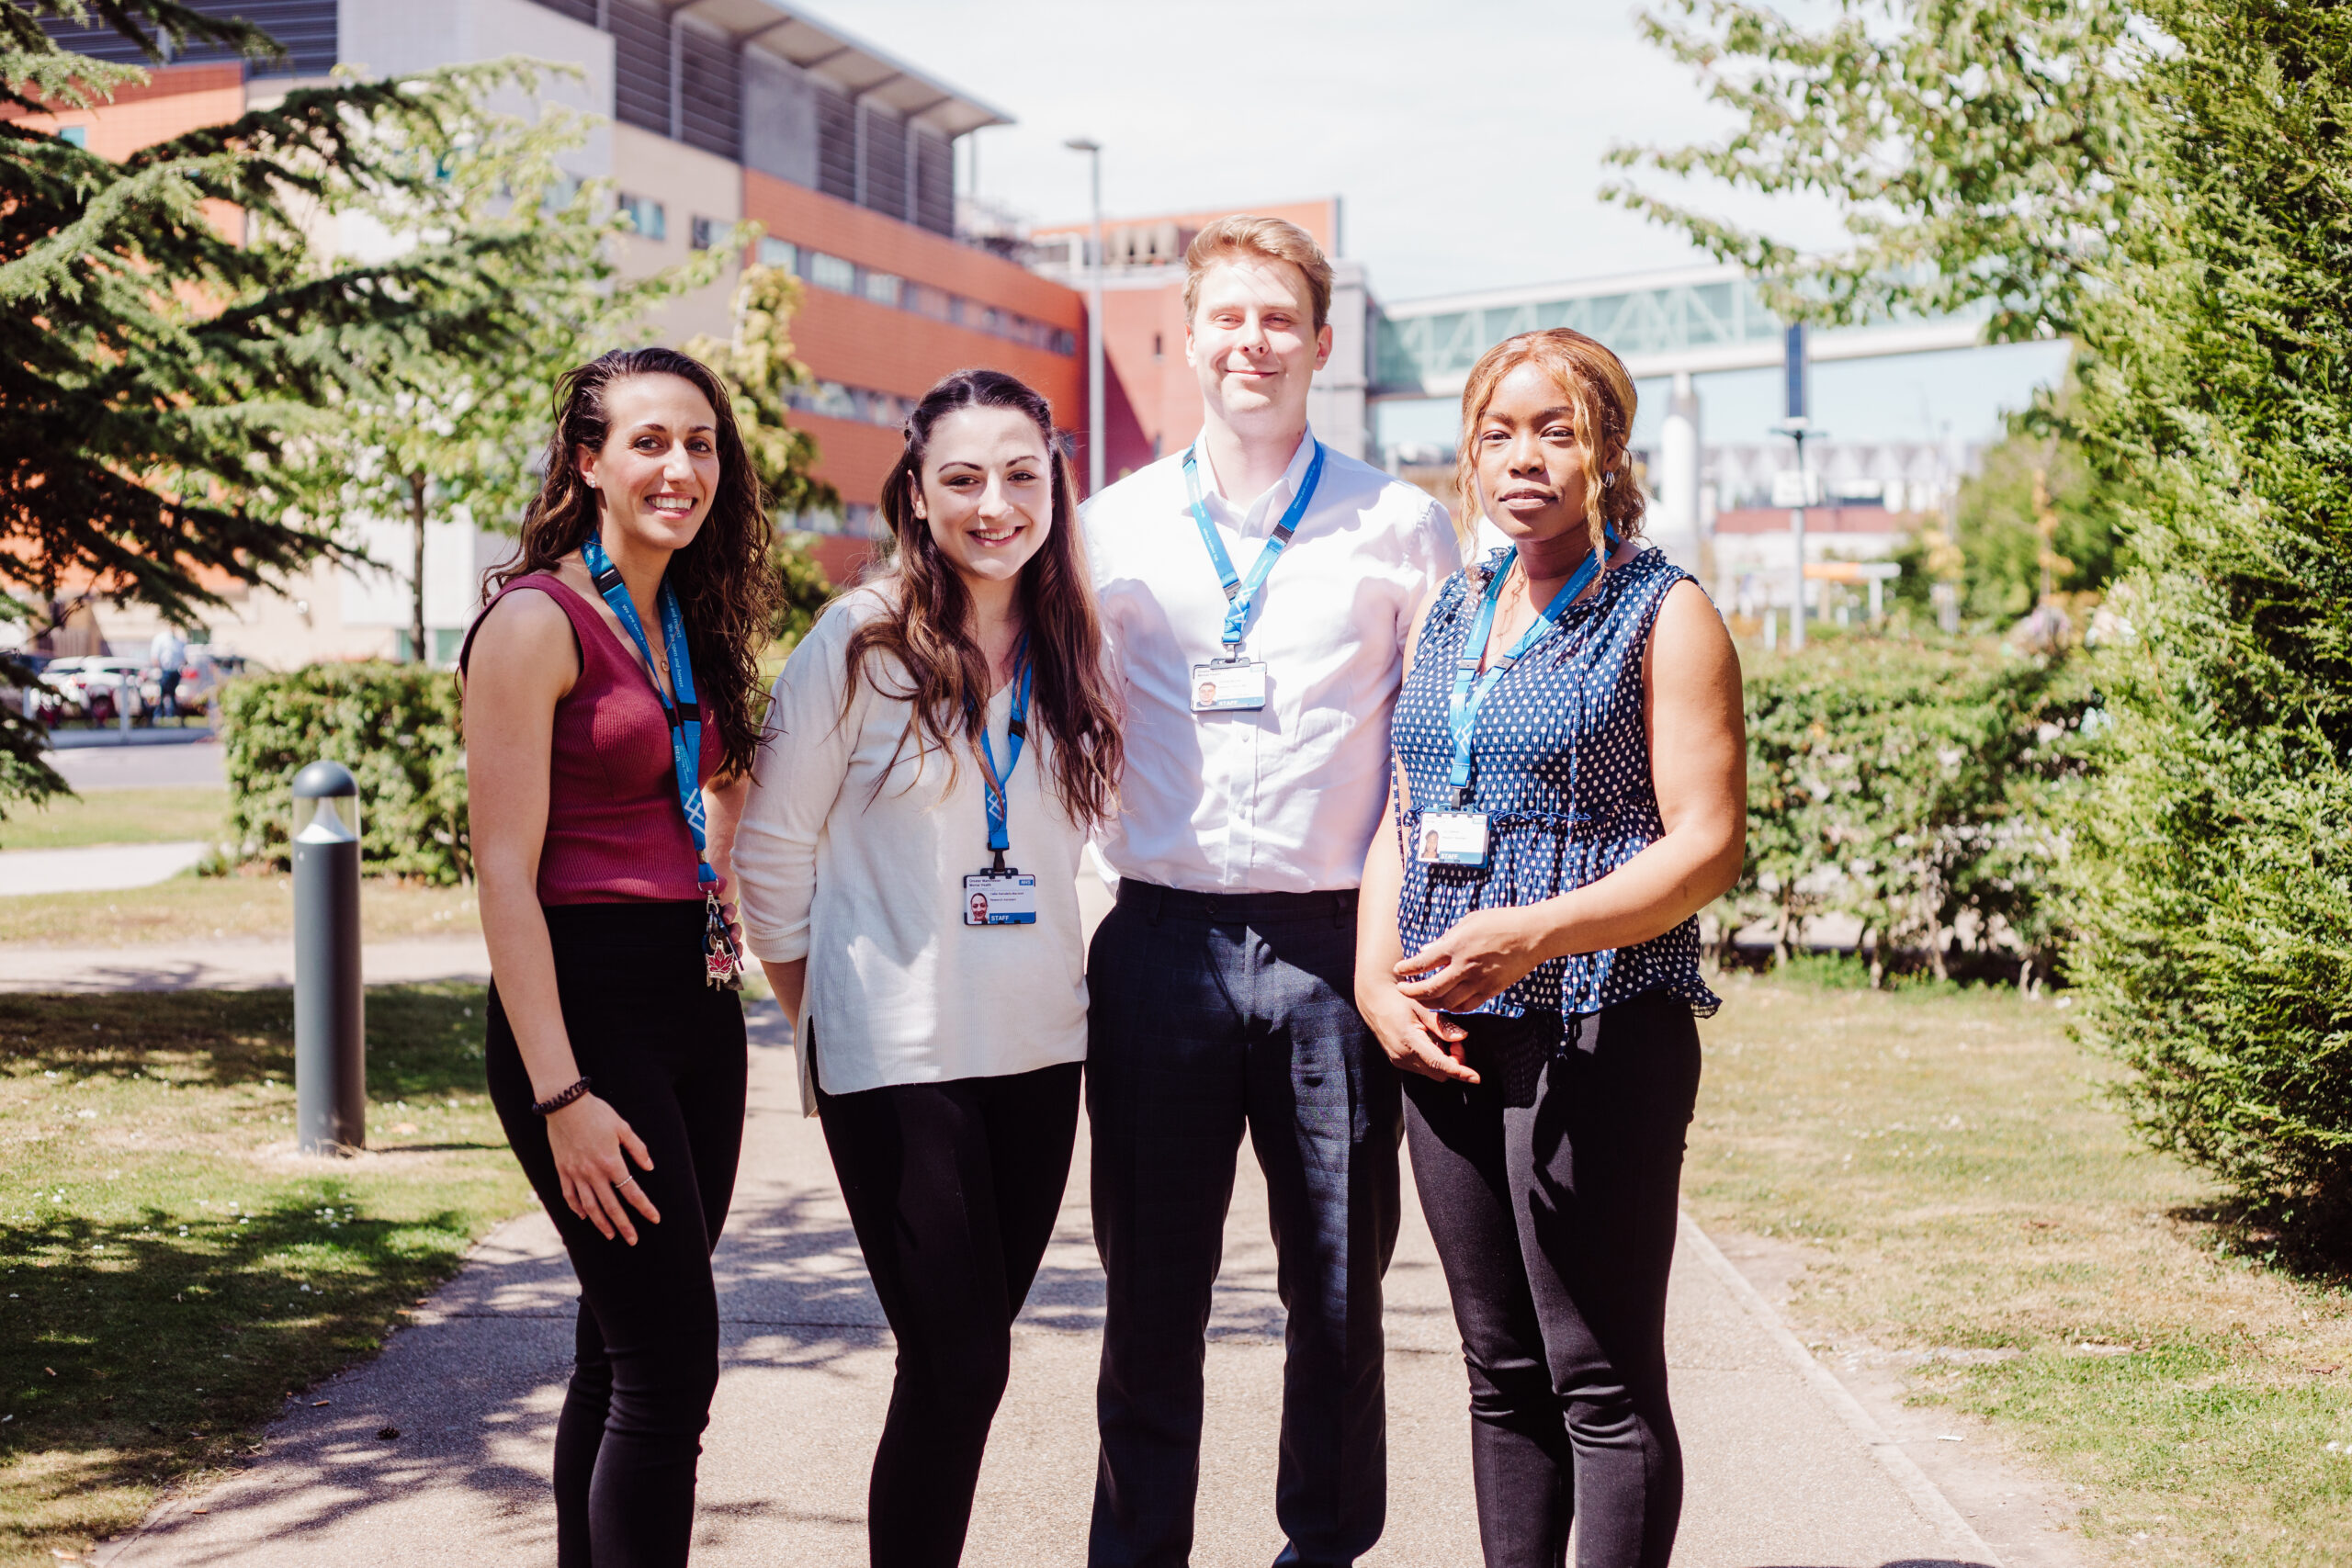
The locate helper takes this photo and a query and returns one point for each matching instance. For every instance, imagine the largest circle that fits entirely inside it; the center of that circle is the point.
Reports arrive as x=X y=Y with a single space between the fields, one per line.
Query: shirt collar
x=1260 y=515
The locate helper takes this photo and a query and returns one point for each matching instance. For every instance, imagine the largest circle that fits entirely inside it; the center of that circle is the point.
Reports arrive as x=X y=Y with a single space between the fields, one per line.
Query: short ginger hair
x=1247 y=237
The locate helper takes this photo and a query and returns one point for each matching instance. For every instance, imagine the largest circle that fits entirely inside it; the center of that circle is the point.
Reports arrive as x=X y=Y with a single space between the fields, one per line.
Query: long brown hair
x=1601 y=402
x=725 y=582
x=923 y=644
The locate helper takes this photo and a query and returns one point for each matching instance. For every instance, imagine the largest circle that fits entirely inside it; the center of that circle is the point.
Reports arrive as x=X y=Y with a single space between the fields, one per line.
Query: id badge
x=1229 y=685
x=1453 y=838
x=1000 y=899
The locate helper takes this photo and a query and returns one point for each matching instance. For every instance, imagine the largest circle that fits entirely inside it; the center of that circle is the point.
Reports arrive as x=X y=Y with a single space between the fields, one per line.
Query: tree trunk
x=1936 y=949
x=417 y=650
x=1780 y=935
x=1871 y=935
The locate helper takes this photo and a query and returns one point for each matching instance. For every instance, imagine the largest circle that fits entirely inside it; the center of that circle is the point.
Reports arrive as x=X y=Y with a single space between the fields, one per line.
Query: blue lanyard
x=1470 y=688
x=685 y=718
x=1238 y=592
x=1000 y=801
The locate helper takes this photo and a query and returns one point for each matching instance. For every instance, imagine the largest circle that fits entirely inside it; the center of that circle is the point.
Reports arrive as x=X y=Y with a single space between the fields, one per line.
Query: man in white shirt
x=1258 y=591
x=168 y=653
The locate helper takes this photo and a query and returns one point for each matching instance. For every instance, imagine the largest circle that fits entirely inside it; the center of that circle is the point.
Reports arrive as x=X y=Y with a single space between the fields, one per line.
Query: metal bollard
x=330 y=1037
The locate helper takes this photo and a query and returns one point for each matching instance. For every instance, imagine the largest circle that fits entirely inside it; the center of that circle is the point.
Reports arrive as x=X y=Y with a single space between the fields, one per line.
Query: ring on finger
x=625 y=1181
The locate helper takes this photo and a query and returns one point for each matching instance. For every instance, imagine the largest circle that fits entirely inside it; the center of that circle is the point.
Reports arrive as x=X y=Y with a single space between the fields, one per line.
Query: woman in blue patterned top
x=1571 y=791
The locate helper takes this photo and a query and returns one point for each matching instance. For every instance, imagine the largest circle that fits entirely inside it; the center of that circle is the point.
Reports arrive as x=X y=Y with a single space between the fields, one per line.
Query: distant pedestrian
x=1256 y=766
x=945 y=736
x=1570 y=759
x=611 y=699
x=168 y=654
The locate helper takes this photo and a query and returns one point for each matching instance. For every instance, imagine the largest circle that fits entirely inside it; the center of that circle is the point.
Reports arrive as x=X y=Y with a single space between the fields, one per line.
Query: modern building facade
x=705 y=114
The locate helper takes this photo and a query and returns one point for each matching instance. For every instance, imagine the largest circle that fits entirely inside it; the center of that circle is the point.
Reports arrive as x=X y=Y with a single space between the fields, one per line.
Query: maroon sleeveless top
x=615 y=832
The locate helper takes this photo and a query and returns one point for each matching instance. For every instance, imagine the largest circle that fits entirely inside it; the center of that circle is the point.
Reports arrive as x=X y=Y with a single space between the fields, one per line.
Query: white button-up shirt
x=1284 y=799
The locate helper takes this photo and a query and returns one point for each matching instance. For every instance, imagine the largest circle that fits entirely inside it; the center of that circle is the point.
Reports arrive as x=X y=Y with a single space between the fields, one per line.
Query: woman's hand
x=588 y=1139
x=1479 y=957
x=1417 y=1040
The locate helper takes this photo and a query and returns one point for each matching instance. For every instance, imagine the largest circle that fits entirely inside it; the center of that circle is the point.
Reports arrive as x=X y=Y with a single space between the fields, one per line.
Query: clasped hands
x=1478 y=958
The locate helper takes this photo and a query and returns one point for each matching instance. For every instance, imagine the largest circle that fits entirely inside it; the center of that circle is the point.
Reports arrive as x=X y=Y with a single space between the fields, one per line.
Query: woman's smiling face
x=987 y=491
x=657 y=471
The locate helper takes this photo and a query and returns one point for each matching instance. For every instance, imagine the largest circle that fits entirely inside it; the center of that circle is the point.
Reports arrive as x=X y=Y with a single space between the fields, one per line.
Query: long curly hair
x=921 y=651
x=725 y=581
x=1600 y=400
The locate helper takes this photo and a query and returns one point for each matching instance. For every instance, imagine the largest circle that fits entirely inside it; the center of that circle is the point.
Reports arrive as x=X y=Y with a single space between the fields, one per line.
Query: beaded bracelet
x=556 y=1102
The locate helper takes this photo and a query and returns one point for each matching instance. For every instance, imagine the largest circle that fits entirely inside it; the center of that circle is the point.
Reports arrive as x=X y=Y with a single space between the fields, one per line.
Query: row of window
x=844 y=277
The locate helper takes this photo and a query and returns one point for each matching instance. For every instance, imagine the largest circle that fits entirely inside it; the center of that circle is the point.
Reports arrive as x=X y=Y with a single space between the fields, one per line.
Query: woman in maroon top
x=619 y=654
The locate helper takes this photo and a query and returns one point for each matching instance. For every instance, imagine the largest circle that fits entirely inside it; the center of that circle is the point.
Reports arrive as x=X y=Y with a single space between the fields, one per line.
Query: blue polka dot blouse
x=1561 y=768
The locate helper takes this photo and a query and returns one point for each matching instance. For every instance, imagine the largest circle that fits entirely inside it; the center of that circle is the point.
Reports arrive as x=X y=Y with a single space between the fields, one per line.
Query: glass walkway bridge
x=1695 y=319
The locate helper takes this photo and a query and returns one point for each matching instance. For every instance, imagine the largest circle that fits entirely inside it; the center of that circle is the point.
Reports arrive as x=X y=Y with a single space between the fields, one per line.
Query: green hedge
x=1913 y=786
x=394 y=726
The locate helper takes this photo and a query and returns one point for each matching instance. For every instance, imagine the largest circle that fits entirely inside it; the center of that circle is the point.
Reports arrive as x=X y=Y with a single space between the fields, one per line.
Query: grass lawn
x=117 y=817
x=1945 y=1160
x=189 y=908
x=171 y=1269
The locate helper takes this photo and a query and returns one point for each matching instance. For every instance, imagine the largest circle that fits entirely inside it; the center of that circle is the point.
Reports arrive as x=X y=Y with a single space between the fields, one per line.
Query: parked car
x=94 y=686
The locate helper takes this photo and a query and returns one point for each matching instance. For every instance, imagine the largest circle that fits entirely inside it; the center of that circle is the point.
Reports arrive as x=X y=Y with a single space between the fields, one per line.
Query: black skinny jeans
x=667 y=1053
x=1550 y=1189
x=952 y=1189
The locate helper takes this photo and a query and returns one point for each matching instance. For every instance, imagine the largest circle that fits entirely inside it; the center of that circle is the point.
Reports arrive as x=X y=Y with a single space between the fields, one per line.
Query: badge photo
x=1000 y=899
x=1453 y=838
x=1228 y=686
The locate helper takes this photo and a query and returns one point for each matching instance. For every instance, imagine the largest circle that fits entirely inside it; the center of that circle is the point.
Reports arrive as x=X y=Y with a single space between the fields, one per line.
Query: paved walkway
x=97 y=867
x=1783 y=1468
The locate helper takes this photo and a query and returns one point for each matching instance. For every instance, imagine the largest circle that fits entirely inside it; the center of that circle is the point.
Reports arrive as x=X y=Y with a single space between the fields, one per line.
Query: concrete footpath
x=1784 y=1467
x=243 y=965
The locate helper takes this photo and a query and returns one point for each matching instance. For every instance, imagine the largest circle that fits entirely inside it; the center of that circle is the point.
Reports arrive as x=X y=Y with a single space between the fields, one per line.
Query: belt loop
x=1155 y=904
x=1340 y=908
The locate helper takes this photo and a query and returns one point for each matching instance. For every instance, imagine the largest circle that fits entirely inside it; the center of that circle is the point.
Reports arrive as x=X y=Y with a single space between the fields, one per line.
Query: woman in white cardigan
x=945 y=739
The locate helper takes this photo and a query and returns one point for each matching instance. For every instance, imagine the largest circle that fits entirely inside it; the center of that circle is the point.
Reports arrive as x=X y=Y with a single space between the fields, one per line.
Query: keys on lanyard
x=1236 y=684
x=1002 y=895
x=1459 y=837
x=722 y=961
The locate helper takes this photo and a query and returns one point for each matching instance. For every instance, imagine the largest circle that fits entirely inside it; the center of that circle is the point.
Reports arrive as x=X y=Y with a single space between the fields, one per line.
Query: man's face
x=1253 y=343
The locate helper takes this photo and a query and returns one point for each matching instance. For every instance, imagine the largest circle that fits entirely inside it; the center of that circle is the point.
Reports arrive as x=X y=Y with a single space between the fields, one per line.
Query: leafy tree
x=756 y=362
x=1977 y=153
x=2217 y=889
x=454 y=439
x=166 y=379
x=2037 y=480
x=2168 y=186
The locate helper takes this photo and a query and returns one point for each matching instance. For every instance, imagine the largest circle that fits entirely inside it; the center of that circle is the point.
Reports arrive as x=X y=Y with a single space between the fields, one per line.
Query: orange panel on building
x=864 y=343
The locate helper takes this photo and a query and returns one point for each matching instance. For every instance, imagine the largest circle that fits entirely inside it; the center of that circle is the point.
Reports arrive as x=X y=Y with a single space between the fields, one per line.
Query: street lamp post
x=1093 y=151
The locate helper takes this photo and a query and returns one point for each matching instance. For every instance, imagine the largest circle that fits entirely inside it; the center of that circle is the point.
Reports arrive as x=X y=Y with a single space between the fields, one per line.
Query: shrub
x=1911 y=787
x=394 y=726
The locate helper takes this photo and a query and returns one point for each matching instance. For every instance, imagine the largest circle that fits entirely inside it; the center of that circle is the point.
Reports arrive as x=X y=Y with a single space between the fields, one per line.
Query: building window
x=646 y=215
x=831 y=272
x=75 y=135
x=641 y=65
x=1157 y=353
x=782 y=254
x=843 y=277
x=882 y=288
x=704 y=232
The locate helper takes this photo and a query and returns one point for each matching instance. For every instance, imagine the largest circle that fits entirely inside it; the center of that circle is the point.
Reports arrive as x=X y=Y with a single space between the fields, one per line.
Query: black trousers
x=952 y=1189
x=667 y=1053
x=1550 y=1189
x=1213 y=1013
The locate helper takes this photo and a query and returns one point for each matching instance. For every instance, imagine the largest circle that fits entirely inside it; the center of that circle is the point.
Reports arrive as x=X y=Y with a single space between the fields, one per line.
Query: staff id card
x=1229 y=685
x=1453 y=838
x=1000 y=899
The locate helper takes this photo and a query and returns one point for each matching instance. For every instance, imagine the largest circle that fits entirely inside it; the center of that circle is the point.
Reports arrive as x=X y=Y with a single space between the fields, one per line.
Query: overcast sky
x=1464 y=137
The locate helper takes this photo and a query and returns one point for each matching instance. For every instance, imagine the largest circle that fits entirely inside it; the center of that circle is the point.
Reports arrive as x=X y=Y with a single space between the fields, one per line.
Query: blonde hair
x=1601 y=407
x=1248 y=237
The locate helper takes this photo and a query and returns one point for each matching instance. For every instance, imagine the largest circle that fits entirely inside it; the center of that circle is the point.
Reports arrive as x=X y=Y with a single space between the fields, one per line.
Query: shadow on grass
x=423 y=1039
x=2309 y=1240
x=148 y=1331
